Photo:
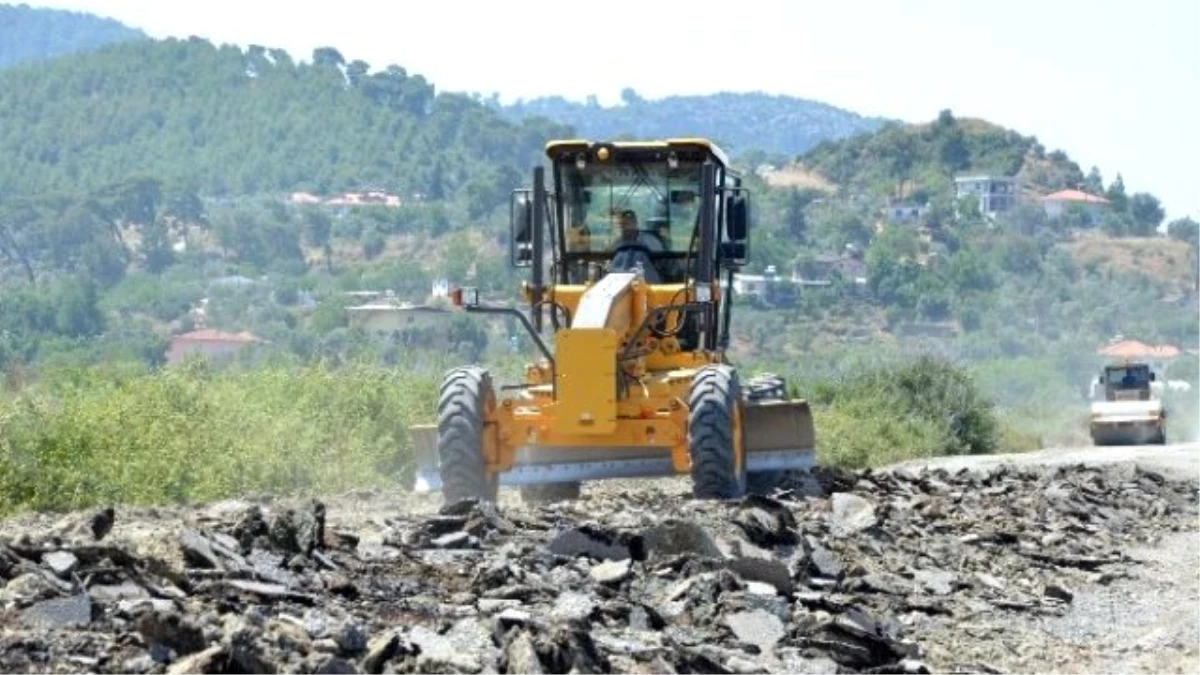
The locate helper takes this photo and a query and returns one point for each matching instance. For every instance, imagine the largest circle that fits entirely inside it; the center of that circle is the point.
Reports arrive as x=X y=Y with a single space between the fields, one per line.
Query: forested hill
x=29 y=34
x=926 y=157
x=227 y=121
x=917 y=163
x=740 y=122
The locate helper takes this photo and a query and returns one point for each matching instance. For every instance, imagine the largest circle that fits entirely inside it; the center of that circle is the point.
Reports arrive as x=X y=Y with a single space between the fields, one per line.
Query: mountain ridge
x=32 y=34
x=740 y=122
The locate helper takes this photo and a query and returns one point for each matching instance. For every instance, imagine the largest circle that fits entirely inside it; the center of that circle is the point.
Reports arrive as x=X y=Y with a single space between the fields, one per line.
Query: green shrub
x=883 y=413
x=186 y=434
x=864 y=431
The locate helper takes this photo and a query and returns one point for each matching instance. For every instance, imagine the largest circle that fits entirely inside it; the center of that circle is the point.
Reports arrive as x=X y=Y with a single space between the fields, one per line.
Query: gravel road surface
x=1149 y=623
x=1071 y=560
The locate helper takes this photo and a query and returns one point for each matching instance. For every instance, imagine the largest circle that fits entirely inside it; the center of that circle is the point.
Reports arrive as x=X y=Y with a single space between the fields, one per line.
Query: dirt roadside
x=1149 y=623
x=1180 y=460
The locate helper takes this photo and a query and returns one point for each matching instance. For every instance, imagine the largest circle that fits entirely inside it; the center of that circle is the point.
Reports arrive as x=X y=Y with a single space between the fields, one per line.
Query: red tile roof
x=1074 y=196
x=213 y=335
x=1134 y=349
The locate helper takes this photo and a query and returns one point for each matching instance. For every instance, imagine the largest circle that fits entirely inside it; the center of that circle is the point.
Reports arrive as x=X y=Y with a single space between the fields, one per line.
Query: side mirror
x=1151 y=377
x=735 y=250
x=521 y=224
x=739 y=217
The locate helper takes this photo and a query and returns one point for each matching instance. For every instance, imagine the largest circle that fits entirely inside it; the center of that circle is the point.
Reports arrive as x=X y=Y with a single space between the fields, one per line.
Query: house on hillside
x=771 y=286
x=304 y=198
x=215 y=345
x=754 y=284
x=371 y=198
x=995 y=194
x=344 y=201
x=823 y=266
x=810 y=273
x=1057 y=204
x=1135 y=350
x=384 y=318
x=904 y=212
x=384 y=314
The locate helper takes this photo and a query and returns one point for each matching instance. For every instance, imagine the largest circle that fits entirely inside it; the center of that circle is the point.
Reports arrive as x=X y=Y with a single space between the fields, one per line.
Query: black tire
x=552 y=492
x=764 y=482
x=465 y=399
x=713 y=404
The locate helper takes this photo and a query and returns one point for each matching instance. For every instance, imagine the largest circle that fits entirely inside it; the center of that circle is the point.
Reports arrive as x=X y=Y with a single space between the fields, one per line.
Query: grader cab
x=631 y=249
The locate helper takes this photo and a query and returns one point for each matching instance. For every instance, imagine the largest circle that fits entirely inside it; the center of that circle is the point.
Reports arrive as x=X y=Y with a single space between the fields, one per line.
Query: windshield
x=651 y=204
x=1134 y=376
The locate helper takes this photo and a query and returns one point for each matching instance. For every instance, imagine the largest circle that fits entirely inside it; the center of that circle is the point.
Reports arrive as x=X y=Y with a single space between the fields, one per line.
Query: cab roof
x=556 y=148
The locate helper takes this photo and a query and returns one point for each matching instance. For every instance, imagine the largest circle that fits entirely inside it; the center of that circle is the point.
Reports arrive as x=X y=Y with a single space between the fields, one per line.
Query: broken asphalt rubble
x=848 y=578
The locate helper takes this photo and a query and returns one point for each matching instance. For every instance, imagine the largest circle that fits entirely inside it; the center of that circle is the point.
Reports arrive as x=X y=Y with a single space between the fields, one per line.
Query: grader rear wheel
x=464 y=402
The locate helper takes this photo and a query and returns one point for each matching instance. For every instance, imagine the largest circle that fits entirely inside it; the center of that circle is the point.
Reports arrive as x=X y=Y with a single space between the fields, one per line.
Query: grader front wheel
x=715 y=435
x=465 y=399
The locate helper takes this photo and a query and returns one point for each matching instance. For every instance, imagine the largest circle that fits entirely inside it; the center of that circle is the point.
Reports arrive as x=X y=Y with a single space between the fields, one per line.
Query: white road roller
x=1131 y=411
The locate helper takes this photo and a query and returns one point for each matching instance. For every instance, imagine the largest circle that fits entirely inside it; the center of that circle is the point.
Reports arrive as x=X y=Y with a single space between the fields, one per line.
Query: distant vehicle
x=1132 y=411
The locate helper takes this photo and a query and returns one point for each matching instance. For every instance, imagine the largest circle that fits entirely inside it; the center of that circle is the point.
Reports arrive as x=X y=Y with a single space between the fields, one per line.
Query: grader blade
x=428 y=478
x=779 y=436
x=550 y=465
x=546 y=465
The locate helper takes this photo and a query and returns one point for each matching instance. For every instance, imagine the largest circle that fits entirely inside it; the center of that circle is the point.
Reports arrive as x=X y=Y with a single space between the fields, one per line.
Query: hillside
x=1023 y=296
x=222 y=121
x=916 y=161
x=136 y=173
x=740 y=122
x=838 y=193
x=1166 y=262
x=834 y=196
x=36 y=34
x=154 y=186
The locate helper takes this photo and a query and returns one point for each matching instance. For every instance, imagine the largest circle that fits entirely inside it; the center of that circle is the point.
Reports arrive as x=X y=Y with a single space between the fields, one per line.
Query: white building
x=904 y=212
x=995 y=194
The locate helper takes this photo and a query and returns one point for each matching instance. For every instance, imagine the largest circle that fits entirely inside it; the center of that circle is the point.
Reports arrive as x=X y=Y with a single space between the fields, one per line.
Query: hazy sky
x=1114 y=84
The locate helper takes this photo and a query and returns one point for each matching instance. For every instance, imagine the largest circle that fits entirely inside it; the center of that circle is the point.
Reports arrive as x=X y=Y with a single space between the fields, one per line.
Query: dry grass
x=798 y=176
x=1162 y=260
x=976 y=125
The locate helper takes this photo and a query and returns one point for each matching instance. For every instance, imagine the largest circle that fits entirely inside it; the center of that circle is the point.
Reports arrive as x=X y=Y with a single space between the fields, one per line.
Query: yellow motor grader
x=631 y=248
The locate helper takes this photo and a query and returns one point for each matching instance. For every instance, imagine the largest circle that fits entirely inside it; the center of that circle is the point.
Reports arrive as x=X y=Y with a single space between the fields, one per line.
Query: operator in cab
x=632 y=247
x=629 y=233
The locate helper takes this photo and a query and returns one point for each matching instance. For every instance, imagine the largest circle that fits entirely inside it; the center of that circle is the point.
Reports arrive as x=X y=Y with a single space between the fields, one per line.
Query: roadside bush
x=863 y=431
x=918 y=408
x=102 y=436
